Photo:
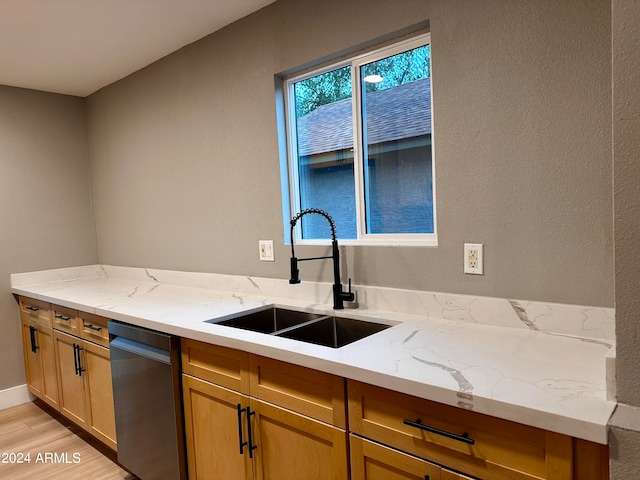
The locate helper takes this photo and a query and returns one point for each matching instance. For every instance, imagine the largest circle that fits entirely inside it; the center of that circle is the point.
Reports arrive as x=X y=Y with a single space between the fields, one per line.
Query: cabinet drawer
x=219 y=365
x=310 y=392
x=94 y=328
x=66 y=320
x=371 y=461
x=35 y=310
x=500 y=449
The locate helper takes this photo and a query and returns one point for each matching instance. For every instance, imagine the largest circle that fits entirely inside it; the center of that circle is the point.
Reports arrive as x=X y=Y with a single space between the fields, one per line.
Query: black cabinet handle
x=461 y=438
x=75 y=357
x=80 y=369
x=91 y=327
x=252 y=447
x=77 y=360
x=32 y=337
x=33 y=309
x=64 y=319
x=242 y=444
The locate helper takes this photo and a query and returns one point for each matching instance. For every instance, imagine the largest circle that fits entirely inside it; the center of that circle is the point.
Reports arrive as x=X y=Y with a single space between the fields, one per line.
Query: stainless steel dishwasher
x=145 y=367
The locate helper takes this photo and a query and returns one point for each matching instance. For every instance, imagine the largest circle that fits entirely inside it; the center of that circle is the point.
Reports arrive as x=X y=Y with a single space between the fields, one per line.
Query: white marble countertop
x=543 y=379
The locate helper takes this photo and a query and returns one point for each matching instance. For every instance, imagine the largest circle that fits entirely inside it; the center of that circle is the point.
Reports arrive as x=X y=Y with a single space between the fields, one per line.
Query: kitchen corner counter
x=546 y=379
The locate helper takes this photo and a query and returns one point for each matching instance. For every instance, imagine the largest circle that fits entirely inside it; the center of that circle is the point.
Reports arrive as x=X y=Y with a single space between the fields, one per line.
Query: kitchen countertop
x=542 y=379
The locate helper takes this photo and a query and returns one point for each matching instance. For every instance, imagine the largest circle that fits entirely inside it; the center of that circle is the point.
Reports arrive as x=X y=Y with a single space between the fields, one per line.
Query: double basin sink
x=319 y=329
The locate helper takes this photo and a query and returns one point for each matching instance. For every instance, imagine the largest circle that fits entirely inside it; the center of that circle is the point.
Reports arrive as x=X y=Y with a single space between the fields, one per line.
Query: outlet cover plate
x=266 y=250
x=473 y=261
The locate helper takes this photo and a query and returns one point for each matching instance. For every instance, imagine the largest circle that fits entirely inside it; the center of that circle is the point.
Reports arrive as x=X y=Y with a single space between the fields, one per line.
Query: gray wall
x=185 y=161
x=186 y=173
x=46 y=220
x=625 y=432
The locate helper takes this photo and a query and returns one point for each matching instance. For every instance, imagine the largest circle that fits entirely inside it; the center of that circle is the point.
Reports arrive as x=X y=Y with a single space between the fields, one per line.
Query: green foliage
x=322 y=89
x=399 y=69
x=335 y=85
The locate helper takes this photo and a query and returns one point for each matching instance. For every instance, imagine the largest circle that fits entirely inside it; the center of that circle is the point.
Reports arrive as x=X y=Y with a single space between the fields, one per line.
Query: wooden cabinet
x=264 y=419
x=36 y=310
x=373 y=461
x=100 y=414
x=214 y=430
x=67 y=364
x=84 y=381
x=70 y=378
x=290 y=445
x=65 y=320
x=465 y=441
x=39 y=360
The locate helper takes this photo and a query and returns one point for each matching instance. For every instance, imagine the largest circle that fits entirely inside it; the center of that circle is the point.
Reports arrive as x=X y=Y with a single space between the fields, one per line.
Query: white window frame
x=364 y=238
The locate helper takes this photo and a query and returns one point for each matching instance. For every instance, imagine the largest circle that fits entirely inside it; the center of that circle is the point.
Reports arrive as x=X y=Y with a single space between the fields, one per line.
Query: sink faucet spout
x=339 y=296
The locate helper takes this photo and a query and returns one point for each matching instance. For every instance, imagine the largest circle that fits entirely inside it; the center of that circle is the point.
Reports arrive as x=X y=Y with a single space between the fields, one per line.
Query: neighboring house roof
x=392 y=114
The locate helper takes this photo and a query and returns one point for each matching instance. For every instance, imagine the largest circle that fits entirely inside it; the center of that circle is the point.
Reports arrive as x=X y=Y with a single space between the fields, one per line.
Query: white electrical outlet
x=266 y=250
x=473 y=264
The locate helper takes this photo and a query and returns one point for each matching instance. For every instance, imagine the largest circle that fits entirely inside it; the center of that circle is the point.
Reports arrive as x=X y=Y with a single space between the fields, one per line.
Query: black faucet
x=338 y=295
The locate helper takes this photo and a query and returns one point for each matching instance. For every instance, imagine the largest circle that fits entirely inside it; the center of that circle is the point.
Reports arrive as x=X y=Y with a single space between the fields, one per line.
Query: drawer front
x=94 y=328
x=35 y=310
x=371 y=461
x=500 y=449
x=219 y=365
x=66 y=320
x=316 y=394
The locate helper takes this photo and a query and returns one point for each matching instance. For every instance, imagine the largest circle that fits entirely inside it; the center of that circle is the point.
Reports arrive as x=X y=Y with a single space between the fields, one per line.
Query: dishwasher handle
x=137 y=348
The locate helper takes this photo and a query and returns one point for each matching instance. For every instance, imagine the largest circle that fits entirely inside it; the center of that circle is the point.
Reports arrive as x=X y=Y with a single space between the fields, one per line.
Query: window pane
x=324 y=133
x=396 y=118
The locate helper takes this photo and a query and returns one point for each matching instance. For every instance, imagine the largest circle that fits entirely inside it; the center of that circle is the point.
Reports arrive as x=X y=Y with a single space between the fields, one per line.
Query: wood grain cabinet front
x=40 y=361
x=93 y=328
x=84 y=383
x=36 y=310
x=373 y=461
x=478 y=445
x=269 y=429
x=66 y=320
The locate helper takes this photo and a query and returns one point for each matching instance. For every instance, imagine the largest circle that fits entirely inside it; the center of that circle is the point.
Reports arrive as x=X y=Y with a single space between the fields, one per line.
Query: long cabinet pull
x=91 y=327
x=75 y=357
x=80 y=369
x=252 y=447
x=63 y=318
x=461 y=438
x=33 y=309
x=32 y=337
x=242 y=443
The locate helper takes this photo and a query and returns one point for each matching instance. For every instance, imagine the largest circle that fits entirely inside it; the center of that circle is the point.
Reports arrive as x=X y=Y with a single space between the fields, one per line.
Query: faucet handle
x=348 y=295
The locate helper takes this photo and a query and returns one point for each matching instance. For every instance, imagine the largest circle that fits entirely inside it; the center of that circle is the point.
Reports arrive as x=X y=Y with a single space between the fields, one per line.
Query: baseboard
x=13 y=396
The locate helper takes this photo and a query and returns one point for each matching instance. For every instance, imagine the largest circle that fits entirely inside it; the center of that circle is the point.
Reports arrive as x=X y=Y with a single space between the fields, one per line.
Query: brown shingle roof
x=392 y=114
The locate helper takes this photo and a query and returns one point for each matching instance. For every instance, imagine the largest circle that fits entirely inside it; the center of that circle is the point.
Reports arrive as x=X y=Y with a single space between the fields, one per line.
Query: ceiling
x=76 y=47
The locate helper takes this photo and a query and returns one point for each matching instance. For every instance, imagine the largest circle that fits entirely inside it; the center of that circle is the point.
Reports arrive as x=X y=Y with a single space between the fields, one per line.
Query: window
x=359 y=143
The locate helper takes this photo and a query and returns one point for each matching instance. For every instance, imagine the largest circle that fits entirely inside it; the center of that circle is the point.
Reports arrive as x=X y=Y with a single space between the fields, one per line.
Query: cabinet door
x=214 y=431
x=48 y=362
x=372 y=461
x=39 y=358
x=70 y=378
x=290 y=445
x=32 y=360
x=101 y=421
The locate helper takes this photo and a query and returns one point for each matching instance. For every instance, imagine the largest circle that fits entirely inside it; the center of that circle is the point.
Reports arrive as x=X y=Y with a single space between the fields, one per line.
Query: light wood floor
x=53 y=444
